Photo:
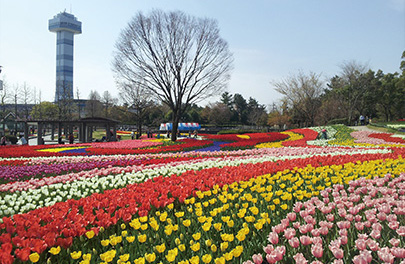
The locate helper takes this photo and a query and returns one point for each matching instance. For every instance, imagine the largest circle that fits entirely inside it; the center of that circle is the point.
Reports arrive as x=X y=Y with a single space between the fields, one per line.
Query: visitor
x=23 y=140
x=361 y=120
x=195 y=134
x=71 y=138
x=324 y=135
x=3 y=140
x=132 y=135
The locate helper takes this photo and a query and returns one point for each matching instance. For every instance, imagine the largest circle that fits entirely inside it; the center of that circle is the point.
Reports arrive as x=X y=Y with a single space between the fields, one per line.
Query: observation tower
x=65 y=25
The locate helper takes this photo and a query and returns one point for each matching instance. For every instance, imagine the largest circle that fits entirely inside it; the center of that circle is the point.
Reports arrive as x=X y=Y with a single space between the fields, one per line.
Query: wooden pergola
x=85 y=126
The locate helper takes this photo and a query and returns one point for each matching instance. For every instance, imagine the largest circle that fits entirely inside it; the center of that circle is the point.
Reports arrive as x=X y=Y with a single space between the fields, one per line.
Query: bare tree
x=26 y=98
x=138 y=99
x=94 y=107
x=180 y=59
x=302 y=93
x=108 y=102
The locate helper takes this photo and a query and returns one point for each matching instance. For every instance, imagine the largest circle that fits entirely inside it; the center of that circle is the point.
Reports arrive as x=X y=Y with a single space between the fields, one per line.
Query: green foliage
x=337 y=121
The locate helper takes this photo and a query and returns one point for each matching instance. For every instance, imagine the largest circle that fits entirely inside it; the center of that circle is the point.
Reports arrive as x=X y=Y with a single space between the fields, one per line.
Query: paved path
x=363 y=128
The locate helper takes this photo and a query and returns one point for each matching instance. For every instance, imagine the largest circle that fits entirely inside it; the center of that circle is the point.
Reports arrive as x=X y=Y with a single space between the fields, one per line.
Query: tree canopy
x=180 y=59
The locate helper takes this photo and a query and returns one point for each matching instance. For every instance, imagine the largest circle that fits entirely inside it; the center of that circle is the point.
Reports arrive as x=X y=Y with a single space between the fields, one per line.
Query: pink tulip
x=361 y=244
x=291 y=216
x=394 y=242
x=358 y=218
x=344 y=240
x=349 y=217
x=305 y=240
x=398 y=252
x=268 y=249
x=294 y=242
x=373 y=245
x=367 y=223
x=376 y=234
x=278 y=228
x=316 y=262
x=273 y=238
x=337 y=253
x=296 y=225
x=316 y=232
x=385 y=255
x=338 y=261
x=381 y=216
x=343 y=232
x=324 y=230
x=366 y=254
x=297 y=207
x=317 y=240
x=359 y=226
x=289 y=233
x=248 y=262
x=285 y=223
x=317 y=250
x=401 y=231
x=359 y=259
x=394 y=225
x=300 y=259
x=257 y=258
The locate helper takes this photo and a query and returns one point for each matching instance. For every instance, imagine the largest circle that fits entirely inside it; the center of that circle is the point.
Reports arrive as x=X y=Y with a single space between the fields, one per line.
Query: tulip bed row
x=149 y=208
x=214 y=224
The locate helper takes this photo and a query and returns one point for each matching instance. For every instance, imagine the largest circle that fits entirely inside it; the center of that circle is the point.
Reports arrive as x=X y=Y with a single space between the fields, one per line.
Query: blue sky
x=270 y=39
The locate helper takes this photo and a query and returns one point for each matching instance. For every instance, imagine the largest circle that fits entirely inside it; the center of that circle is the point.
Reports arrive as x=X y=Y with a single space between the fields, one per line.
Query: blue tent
x=181 y=127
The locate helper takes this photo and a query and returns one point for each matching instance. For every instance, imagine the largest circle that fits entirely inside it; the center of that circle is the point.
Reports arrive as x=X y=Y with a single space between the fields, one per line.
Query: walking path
x=363 y=128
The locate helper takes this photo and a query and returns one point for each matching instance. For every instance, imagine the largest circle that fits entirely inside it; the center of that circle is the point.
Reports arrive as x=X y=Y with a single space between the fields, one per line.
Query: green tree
x=351 y=86
x=240 y=108
x=45 y=111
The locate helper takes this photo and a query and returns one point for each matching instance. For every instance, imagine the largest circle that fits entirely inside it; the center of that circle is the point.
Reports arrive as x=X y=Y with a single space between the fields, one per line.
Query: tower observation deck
x=65 y=25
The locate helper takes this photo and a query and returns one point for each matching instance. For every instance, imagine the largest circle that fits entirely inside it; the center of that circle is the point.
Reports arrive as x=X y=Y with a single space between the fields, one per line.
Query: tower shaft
x=65 y=26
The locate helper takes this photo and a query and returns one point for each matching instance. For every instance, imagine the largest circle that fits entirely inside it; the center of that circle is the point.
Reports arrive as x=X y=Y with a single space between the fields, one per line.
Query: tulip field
x=276 y=197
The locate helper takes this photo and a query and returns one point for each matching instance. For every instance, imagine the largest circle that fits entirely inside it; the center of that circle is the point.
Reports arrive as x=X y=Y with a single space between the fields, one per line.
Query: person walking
x=71 y=138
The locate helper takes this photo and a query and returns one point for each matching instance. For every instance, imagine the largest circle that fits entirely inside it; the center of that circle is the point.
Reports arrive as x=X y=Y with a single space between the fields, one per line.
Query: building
x=65 y=25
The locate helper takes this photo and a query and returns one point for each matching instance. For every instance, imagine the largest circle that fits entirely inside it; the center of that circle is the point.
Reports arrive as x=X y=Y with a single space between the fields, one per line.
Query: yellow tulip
x=228 y=256
x=130 y=239
x=105 y=242
x=182 y=247
x=214 y=248
x=206 y=258
x=90 y=234
x=187 y=222
x=195 y=260
x=224 y=246
x=142 y=238
x=161 y=248
x=124 y=257
x=55 y=250
x=150 y=257
x=76 y=254
x=34 y=257
x=140 y=260
x=195 y=247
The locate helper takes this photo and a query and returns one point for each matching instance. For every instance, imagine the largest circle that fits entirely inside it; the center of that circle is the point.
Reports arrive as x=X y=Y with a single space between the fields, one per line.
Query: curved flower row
x=79 y=185
x=94 y=149
x=60 y=223
x=215 y=224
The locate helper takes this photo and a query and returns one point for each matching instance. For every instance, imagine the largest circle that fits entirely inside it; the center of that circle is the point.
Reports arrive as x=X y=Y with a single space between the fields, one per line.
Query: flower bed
x=195 y=206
